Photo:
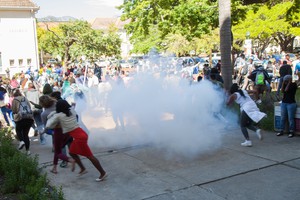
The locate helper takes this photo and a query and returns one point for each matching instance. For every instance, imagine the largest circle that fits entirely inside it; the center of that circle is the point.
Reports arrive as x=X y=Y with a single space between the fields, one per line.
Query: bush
x=21 y=173
x=267 y=123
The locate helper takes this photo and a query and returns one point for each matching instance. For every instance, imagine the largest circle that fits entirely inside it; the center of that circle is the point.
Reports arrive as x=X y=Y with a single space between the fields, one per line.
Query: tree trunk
x=225 y=41
x=285 y=41
x=66 y=58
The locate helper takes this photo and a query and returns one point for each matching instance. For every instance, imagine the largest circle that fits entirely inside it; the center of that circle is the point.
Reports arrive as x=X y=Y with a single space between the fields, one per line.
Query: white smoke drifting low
x=167 y=113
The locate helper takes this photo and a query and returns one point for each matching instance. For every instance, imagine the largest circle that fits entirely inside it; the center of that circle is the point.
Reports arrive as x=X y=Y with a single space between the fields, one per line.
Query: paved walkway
x=268 y=170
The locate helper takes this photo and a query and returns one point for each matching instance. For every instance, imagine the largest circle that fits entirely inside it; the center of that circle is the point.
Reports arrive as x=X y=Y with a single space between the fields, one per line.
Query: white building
x=18 y=37
x=105 y=23
x=296 y=42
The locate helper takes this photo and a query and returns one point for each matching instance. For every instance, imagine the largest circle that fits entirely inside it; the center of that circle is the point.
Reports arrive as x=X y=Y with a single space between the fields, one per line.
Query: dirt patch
x=6 y=196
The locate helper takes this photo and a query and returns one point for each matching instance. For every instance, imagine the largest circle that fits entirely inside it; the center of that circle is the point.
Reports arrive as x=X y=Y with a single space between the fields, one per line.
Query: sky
x=80 y=9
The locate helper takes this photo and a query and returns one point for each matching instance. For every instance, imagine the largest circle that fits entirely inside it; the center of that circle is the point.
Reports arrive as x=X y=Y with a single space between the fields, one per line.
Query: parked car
x=199 y=60
x=277 y=57
x=188 y=61
x=102 y=63
x=292 y=56
x=216 y=56
x=52 y=61
x=125 y=64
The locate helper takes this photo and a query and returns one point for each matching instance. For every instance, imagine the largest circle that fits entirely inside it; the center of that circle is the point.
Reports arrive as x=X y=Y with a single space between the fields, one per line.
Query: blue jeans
x=8 y=111
x=279 y=86
x=288 y=110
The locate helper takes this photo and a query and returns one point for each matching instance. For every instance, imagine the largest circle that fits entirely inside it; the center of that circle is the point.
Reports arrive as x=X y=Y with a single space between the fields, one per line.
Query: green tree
x=268 y=24
x=189 y=18
x=177 y=44
x=75 y=39
x=210 y=42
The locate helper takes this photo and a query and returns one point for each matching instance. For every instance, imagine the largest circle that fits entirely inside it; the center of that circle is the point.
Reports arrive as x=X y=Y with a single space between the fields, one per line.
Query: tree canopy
x=72 y=40
x=266 y=25
x=188 y=18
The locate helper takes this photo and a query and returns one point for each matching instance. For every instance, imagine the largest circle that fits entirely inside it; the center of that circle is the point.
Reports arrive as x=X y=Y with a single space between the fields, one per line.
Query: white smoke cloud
x=166 y=113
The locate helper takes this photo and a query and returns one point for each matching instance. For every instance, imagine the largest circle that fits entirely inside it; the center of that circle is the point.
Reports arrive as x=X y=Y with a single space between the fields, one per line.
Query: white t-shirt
x=249 y=106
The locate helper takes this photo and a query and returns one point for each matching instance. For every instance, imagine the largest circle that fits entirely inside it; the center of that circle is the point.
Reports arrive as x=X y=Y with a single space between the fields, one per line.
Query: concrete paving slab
x=276 y=183
x=279 y=149
x=205 y=168
x=193 y=193
x=294 y=163
x=140 y=171
x=129 y=178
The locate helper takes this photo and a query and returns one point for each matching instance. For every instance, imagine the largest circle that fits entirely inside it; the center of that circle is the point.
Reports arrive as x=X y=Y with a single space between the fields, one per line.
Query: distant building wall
x=18 y=39
x=104 y=24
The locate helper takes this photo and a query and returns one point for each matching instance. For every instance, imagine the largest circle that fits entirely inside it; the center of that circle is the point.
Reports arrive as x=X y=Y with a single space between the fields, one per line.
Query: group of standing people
x=49 y=113
x=250 y=113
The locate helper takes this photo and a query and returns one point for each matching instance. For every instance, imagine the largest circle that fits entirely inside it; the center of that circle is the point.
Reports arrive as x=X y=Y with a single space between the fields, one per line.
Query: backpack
x=25 y=111
x=260 y=78
x=2 y=96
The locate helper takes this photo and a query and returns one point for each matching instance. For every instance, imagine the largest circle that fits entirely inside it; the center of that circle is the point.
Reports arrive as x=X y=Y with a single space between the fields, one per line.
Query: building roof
x=105 y=23
x=97 y=24
x=18 y=4
x=44 y=25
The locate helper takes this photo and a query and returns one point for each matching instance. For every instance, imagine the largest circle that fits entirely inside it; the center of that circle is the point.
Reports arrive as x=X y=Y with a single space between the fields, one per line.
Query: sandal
x=102 y=178
x=82 y=172
x=53 y=171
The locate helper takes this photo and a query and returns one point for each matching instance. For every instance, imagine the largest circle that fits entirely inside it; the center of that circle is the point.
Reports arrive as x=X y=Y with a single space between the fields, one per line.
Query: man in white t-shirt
x=93 y=83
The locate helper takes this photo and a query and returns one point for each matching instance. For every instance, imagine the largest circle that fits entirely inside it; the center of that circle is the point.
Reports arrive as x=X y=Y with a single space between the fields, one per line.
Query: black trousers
x=22 y=129
x=246 y=122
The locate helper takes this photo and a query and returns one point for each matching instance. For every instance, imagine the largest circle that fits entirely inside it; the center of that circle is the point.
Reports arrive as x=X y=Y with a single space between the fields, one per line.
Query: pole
x=85 y=73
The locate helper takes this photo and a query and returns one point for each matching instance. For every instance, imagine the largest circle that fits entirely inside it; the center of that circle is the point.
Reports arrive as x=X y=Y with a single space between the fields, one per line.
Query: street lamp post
x=248 y=45
x=247 y=35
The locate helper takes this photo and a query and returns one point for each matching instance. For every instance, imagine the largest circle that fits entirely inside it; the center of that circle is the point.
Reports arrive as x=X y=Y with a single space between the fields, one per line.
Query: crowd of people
x=46 y=101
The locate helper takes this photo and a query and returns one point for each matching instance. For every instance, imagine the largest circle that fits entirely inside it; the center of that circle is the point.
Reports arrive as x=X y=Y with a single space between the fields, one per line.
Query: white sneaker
x=247 y=143
x=28 y=153
x=21 y=145
x=258 y=133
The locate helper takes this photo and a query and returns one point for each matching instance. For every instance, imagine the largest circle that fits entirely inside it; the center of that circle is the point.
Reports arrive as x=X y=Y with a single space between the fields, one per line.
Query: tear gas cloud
x=165 y=112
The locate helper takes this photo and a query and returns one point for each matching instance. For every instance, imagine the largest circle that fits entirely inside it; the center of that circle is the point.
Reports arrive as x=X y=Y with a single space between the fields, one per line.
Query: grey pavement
x=270 y=170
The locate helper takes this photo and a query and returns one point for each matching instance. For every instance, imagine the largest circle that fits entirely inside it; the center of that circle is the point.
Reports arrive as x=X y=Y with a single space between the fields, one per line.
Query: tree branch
x=51 y=31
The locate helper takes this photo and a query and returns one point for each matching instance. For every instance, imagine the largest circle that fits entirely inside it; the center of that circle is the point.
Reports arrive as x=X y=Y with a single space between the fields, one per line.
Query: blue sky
x=81 y=9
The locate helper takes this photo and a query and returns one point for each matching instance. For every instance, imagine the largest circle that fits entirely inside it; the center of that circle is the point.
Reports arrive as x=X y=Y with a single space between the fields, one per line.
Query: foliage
x=210 y=42
x=177 y=44
x=74 y=39
x=21 y=174
x=189 y=18
x=267 y=24
x=267 y=123
x=195 y=19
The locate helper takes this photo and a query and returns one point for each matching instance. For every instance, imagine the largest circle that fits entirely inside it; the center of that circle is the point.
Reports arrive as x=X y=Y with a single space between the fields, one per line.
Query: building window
x=20 y=62
x=11 y=62
x=29 y=62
